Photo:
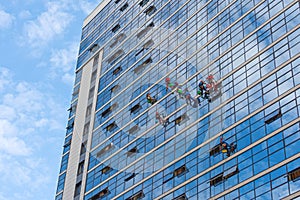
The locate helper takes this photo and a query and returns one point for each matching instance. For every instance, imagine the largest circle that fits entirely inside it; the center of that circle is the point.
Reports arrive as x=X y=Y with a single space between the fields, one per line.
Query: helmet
x=167 y=79
x=210 y=77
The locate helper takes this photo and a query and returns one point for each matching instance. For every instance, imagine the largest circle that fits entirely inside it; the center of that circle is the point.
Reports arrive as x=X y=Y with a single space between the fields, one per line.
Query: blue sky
x=39 y=43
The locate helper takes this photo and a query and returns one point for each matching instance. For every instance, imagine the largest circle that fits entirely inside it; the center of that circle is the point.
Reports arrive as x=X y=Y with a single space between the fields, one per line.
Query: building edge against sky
x=141 y=123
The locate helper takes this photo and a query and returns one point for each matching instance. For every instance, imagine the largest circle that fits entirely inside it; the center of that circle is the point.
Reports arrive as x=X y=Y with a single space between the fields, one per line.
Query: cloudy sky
x=39 y=44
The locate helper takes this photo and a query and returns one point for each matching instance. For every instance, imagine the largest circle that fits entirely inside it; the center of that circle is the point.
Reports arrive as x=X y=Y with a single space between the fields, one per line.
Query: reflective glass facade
x=193 y=100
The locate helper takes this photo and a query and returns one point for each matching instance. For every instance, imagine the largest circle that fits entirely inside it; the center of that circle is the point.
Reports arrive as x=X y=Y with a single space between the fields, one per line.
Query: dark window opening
x=115 y=88
x=111 y=126
x=273 y=116
x=143 y=65
x=143 y=3
x=180 y=171
x=77 y=189
x=94 y=75
x=91 y=92
x=135 y=108
x=117 y=1
x=105 y=149
x=148 y=44
x=80 y=168
x=132 y=152
x=106 y=112
x=216 y=180
x=149 y=11
x=294 y=174
x=86 y=128
x=72 y=108
x=223 y=147
x=89 y=110
x=76 y=91
x=137 y=196
x=143 y=32
x=124 y=7
x=101 y=194
x=109 y=110
x=223 y=176
x=68 y=143
x=151 y=25
x=106 y=170
x=83 y=148
x=140 y=51
x=134 y=129
x=119 y=38
x=181 y=119
x=230 y=172
x=70 y=126
x=94 y=48
x=130 y=177
x=215 y=150
x=116 y=28
x=176 y=173
x=116 y=56
x=117 y=70
x=181 y=197
x=96 y=60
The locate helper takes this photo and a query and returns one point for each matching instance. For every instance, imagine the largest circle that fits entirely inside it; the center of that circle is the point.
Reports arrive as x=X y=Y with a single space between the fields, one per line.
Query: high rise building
x=184 y=100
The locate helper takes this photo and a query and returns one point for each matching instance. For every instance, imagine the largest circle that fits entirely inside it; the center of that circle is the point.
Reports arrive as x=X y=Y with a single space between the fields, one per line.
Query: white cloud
x=48 y=24
x=63 y=62
x=29 y=118
x=25 y=108
x=87 y=6
x=25 y=14
x=21 y=174
x=6 y=19
x=68 y=79
x=5 y=78
x=9 y=142
x=64 y=59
